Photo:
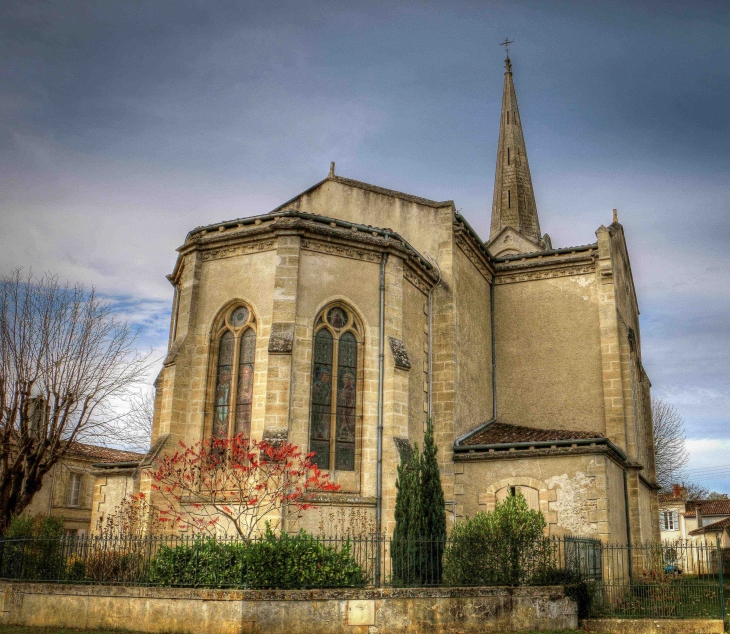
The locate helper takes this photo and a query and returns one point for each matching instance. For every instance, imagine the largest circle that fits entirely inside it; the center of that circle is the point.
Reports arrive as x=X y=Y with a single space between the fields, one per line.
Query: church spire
x=514 y=200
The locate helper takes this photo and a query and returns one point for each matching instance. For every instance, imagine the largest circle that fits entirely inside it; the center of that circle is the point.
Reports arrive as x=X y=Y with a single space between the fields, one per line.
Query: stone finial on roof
x=332 y=169
x=615 y=215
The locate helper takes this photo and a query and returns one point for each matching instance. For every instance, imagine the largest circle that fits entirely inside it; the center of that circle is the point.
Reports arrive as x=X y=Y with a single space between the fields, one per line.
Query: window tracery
x=234 y=373
x=335 y=385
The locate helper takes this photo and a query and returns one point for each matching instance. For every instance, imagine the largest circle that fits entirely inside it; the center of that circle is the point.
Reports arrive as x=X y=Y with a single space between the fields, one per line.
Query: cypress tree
x=432 y=512
x=403 y=549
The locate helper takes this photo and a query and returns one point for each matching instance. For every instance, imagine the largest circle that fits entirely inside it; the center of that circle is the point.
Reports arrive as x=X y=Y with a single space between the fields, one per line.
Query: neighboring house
x=680 y=519
x=68 y=487
x=671 y=507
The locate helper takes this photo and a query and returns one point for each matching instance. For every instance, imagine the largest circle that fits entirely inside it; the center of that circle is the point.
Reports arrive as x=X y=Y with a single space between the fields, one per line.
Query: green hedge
x=275 y=561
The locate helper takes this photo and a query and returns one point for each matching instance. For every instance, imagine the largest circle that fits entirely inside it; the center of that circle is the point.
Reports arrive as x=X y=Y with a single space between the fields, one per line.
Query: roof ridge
x=389 y=192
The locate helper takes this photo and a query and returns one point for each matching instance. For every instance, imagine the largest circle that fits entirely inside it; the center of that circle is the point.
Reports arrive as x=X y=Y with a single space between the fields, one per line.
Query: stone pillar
x=395 y=389
x=610 y=346
x=281 y=338
x=444 y=366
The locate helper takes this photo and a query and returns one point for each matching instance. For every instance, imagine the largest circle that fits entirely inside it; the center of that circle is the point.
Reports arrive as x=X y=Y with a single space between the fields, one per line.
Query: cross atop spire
x=507 y=62
x=506 y=44
x=514 y=200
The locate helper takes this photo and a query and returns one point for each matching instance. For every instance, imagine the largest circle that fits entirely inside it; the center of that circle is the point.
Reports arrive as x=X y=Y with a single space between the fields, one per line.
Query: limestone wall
x=549 y=353
x=420 y=224
x=367 y=611
x=571 y=490
x=473 y=342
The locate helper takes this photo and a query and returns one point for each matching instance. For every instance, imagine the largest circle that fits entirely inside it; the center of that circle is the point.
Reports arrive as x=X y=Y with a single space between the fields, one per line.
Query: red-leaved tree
x=237 y=482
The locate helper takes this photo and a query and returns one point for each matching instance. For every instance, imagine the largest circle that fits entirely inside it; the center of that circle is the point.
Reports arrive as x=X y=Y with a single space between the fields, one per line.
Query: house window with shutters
x=234 y=349
x=669 y=520
x=73 y=496
x=336 y=386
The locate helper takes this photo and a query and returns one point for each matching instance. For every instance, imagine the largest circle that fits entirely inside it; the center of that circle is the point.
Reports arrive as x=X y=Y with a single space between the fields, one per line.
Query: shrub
x=301 y=561
x=35 y=548
x=505 y=546
x=275 y=561
x=38 y=526
x=205 y=562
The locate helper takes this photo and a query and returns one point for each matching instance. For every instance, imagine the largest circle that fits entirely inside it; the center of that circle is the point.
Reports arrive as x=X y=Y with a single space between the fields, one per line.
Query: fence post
x=719 y=578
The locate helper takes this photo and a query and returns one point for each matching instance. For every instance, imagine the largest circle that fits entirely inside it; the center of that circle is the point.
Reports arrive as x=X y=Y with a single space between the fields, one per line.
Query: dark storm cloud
x=125 y=124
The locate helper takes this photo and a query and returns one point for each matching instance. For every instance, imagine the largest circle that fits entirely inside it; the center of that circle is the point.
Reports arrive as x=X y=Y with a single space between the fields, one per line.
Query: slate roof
x=500 y=433
x=103 y=454
x=708 y=507
x=715 y=526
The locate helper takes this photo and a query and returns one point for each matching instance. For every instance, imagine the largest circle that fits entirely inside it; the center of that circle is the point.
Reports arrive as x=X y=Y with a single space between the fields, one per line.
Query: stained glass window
x=223 y=384
x=322 y=399
x=336 y=317
x=346 y=399
x=234 y=374
x=244 y=397
x=239 y=316
x=334 y=394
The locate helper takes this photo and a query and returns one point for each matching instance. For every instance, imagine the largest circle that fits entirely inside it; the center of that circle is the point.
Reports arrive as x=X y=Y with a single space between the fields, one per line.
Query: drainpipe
x=379 y=469
x=628 y=525
x=494 y=350
x=430 y=335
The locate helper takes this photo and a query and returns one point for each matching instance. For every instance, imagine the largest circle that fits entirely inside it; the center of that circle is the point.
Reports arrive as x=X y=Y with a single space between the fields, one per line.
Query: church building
x=350 y=314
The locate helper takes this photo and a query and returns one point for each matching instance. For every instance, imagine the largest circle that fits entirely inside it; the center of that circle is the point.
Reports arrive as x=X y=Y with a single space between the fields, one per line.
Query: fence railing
x=299 y=561
x=680 y=580
x=677 y=580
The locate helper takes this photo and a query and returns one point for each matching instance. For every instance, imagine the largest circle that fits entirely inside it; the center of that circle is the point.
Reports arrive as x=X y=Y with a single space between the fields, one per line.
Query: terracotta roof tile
x=103 y=454
x=708 y=507
x=712 y=527
x=499 y=433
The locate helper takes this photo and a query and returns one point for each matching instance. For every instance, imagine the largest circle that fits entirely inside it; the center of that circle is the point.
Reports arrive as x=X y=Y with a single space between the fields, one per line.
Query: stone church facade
x=344 y=318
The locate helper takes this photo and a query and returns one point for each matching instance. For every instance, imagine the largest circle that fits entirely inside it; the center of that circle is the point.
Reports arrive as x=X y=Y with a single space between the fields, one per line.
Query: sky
x=123 y=125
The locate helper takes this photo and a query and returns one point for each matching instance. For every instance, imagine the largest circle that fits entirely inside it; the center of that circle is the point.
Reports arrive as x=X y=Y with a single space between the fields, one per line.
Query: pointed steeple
x=514 y=200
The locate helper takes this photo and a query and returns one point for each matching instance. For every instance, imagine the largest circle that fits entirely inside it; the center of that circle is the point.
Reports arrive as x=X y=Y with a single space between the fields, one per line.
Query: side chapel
x=348 y=315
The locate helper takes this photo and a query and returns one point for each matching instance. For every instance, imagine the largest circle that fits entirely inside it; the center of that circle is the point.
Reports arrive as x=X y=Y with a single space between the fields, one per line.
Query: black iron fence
x=297 y=561
x=669 y=580
x=680 y=580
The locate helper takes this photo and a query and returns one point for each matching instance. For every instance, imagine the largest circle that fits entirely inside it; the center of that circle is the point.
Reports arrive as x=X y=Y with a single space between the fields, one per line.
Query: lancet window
x=336 y=374
x=234 y=372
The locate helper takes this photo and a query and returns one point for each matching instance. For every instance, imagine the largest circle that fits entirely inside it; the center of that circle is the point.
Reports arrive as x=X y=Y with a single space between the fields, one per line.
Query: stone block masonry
x=336 y=611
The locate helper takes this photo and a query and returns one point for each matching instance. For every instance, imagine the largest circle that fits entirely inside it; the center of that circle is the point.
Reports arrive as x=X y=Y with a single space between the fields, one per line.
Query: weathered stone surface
x=651 y=626
x=281 y=339
x=335 y=611
x=400 y=354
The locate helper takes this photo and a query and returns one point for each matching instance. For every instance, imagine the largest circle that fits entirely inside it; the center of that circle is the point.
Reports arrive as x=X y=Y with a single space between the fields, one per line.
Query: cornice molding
x=476 y=259
x=338 y=250
x=528 y=276
x=239 y=249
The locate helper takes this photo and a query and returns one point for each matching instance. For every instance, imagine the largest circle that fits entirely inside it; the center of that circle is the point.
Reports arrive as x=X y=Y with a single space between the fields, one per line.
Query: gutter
x=117 y=465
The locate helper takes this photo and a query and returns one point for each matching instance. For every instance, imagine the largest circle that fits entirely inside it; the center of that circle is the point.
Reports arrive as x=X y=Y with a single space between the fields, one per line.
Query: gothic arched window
x=234 y=373
x=335 y=383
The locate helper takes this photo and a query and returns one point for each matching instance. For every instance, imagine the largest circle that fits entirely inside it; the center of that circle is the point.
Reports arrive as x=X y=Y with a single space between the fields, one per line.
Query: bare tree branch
x=64 y=356
x=669 y=443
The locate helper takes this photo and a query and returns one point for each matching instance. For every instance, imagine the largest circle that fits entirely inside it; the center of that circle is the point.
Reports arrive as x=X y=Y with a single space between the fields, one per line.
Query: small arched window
x=335 y=385
x=531 y=495
x=234 y=373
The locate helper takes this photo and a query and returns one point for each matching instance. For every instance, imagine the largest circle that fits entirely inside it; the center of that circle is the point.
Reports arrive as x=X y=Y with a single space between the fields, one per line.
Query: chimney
x=676 y=490
x=698 y=514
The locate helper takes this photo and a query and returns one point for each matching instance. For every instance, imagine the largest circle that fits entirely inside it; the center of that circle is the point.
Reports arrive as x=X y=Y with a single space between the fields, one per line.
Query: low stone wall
x=654 y=626
x=361 y=611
